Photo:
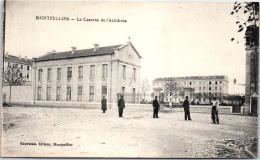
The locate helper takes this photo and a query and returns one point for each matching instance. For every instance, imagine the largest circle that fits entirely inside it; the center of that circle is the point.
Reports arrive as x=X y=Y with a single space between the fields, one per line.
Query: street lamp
x=235 y=81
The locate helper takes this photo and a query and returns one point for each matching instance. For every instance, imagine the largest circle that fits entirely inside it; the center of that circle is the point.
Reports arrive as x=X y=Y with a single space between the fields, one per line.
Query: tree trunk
x=10 y=94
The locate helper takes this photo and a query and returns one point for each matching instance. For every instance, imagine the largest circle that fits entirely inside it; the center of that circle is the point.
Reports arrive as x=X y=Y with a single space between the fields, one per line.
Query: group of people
x=156 y=108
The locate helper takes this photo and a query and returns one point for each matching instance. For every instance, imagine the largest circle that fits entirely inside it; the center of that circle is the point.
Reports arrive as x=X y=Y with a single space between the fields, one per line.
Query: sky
x=173 y=38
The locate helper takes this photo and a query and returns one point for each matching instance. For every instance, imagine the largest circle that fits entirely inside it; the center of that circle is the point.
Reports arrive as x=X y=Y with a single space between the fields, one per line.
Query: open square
x=96 y=134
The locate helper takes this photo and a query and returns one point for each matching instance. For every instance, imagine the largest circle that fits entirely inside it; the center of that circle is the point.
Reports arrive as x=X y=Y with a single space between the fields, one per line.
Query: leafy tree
x=14 y=77
x=250 y=11
x=198 y=96
x=145 y=87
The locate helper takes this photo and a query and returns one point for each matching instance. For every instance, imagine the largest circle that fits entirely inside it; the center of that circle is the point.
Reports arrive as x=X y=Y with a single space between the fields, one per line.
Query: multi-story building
x=198 y=88
x=87 y=75
x=24 y=64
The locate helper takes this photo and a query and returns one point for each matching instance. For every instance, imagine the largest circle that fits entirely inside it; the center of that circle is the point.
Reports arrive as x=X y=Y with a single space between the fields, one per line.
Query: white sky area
x=173 y=38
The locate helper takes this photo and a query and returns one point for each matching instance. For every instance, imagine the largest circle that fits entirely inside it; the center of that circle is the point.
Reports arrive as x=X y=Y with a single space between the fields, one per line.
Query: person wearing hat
x=186 y=106
x=156 y=107
x=121 y=106
x=104 y=104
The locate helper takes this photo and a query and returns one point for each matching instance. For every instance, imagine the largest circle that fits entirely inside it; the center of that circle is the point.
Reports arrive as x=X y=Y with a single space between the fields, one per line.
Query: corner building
x=83 y=77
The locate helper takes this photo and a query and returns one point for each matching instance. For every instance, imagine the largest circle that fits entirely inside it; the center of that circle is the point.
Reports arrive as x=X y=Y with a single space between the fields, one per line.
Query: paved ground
x=137 y=134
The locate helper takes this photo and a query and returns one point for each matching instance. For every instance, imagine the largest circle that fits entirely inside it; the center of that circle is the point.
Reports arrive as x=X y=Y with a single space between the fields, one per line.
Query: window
x=190 y=83
x=92 y=72
x=220 y=81
x=200 y=82
x=124 y=74
x=200 y=88
x=58 y=94
x=104 y=71
x=27 y=76
x=216 y=82
x=21 y=66
x=39 y=74
x=69 y=73
x=134 y=74
x=49 y=74
x=209 y=93
x=204 y=88
x=216 y=88
x=209 y=82
x=80 y=72
x=28 y=68
x=104 y=91
x=210 y=88
x=220 y=88
x=91 y=93
x=123 y=90
x=79 y=93
x=68 y=98
x=39 y=93
x=48 y=97
x=58 y=74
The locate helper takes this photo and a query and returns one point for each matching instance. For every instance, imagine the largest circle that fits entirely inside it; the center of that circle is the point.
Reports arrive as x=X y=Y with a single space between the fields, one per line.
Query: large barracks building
x=83 y=77
x=206 y=86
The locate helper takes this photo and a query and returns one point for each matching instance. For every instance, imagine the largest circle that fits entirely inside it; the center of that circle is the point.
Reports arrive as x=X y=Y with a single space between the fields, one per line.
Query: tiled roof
x=190 y=78
x=15 y=59
x=78 y=53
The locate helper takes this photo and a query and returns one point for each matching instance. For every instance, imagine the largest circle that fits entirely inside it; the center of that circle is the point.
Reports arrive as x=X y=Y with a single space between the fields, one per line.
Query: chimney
x=73 y=49
x=25 y=58
x=129 y=40
x=96 y=47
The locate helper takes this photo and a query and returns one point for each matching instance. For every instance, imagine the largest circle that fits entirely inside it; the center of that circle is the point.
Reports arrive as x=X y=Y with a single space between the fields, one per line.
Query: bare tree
x=173 y=88
x=145 y=87
x=14 y=77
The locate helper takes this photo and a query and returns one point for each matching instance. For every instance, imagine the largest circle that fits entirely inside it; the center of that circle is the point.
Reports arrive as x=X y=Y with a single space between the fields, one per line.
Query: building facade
x=85 y=76
x=24 y=64
x=200 y=89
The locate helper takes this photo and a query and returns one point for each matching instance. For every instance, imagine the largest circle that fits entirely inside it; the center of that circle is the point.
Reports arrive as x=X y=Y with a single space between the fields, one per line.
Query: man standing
x=214 y=111
x=156 y=107
x=104 y=104
x=121 y=106
x=186 y=106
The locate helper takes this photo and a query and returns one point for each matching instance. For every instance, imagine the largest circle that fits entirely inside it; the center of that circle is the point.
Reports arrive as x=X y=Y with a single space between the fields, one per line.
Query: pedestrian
x=121 y=106
x=186 y=106
x=156 y=107
x=214 y=111
x=104 y=104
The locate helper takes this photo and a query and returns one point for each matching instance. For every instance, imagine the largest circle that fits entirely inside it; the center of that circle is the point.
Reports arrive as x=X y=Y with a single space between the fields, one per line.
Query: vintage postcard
x=130 y=79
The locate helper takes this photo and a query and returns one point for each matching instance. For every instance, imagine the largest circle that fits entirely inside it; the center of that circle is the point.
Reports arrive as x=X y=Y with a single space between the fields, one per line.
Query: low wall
x=19 y=94
x=203 y=109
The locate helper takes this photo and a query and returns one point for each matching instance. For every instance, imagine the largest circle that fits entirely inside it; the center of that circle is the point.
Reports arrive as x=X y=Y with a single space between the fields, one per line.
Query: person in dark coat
x=121 y=106
x=186 y=106
x=104 y=104
x=156 y=107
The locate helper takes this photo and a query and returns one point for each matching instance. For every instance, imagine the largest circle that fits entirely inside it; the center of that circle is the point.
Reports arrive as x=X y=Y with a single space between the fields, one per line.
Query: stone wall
x=19 y=94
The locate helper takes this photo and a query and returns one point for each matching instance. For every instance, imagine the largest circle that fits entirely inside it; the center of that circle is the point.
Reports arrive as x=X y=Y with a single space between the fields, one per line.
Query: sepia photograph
x=130 y=79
